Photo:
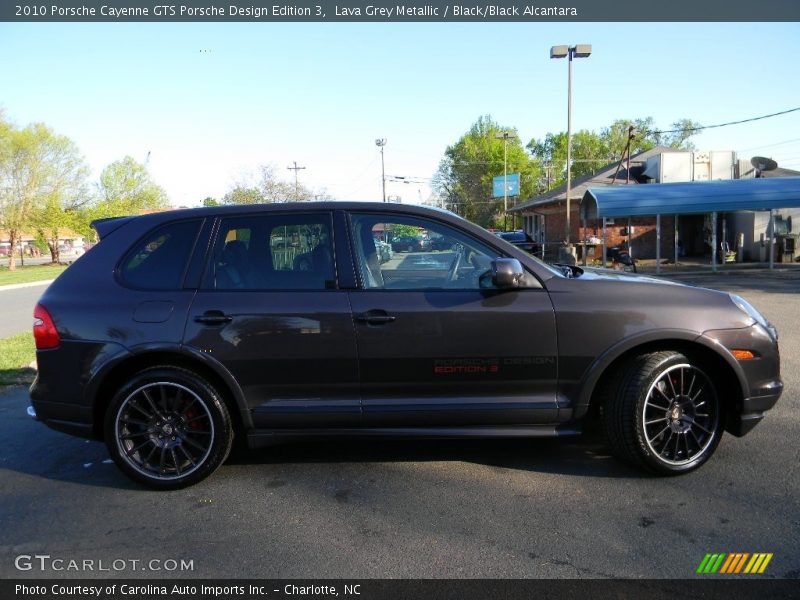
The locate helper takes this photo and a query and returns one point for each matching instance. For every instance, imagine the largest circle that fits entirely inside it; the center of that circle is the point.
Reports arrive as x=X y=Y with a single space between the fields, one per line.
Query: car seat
x=234 y=271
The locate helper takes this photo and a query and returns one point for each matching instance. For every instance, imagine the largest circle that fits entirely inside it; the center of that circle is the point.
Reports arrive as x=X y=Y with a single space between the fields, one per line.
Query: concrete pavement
x=17 y=302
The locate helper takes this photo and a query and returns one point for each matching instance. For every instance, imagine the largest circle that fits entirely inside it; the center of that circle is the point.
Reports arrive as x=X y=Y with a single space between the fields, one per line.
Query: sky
x=206 y=104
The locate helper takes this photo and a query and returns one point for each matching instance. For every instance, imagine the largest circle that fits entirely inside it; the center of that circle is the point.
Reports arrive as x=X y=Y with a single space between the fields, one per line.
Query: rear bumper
x=62 y=416
x=62 y=393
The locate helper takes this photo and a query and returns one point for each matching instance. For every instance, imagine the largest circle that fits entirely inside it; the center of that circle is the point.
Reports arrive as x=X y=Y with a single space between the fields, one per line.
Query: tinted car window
x=274 y=252
x=447 y=260
x=159 y=262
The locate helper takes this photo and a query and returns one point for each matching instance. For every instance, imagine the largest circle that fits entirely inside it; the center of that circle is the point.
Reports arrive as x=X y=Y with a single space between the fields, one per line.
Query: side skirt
x=259 y=438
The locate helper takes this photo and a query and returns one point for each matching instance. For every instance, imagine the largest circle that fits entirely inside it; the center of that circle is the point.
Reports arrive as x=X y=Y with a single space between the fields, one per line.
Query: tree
x=591 y=150
x=242 y=194
x=274 y=189
x=209 y=201
x=464 y=177
x=125 y=188
x=267 y=189
x=68 y=194
x=52 y=219
x=42 y=176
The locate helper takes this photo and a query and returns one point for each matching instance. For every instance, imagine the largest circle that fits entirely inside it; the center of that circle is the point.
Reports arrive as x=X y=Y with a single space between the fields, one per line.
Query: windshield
x=554 y=270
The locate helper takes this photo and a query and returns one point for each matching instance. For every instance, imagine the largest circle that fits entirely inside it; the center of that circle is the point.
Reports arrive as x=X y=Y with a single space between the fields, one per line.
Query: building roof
x=748 y=171
x=693 y=197
x=602 y=177
x=779 y=172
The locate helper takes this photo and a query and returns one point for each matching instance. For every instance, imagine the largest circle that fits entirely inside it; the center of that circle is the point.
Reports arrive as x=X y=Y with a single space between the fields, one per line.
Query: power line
x=360 y=175
x=751 y=119
x=771 y=145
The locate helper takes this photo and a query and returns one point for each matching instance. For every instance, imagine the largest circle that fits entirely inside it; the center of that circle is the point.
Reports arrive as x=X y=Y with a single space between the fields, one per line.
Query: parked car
x=521 y=240
x=441 y=243
x=409 y=243
x=197 y=334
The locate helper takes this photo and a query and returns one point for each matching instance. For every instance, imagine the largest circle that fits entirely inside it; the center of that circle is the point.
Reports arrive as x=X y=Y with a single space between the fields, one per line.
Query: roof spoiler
x=104 y=227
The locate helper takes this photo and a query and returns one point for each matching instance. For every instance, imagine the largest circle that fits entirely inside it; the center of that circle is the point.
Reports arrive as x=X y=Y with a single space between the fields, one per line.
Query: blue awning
x=690 y=198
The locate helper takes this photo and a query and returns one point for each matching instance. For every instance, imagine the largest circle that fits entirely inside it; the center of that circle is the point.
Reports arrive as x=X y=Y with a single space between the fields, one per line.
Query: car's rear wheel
x=663 y=413
x=168 y=428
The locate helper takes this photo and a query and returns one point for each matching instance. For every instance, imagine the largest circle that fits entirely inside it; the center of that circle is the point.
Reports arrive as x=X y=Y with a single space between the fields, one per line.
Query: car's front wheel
x=168 y=428
x=663 y=413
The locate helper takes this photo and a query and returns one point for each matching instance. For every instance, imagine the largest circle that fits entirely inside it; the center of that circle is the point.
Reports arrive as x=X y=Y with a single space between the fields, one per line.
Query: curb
x=17 y=286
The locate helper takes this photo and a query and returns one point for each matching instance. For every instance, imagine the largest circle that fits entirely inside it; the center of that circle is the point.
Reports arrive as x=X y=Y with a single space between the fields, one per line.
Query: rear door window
x=274 y=252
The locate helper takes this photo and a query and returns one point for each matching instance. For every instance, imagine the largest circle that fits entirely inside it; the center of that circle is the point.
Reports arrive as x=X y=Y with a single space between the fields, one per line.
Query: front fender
x=678 y=339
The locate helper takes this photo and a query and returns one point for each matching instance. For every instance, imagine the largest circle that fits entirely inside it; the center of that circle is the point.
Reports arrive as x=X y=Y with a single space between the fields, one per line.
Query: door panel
x=293 y=353
x=457 y=357
x=437 y=345
x=270 y=313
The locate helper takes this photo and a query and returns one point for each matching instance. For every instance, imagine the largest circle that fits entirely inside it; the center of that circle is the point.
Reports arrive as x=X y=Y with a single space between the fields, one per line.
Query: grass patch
x=29 y=273
x=16 y=353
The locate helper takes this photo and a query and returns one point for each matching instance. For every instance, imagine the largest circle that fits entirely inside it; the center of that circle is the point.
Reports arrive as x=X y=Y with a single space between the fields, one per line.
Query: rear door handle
x=213 y=317
x=375 y=317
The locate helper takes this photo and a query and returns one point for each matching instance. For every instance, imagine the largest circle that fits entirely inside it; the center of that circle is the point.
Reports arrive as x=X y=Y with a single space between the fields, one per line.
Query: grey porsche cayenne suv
x=184 y=332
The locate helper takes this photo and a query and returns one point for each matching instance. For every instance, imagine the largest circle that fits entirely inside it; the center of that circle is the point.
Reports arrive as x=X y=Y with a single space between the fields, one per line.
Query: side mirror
x=507 y=273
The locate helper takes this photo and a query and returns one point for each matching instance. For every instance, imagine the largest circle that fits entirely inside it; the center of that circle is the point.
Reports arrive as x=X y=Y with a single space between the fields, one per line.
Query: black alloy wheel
x=168 y=428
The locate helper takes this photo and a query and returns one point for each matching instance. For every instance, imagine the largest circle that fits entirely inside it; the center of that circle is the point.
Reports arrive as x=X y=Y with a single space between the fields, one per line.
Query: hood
x=597 y=273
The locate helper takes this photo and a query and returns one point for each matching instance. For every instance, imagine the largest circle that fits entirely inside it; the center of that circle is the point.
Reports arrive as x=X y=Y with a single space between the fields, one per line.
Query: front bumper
x=753 y=410
x=759 y=378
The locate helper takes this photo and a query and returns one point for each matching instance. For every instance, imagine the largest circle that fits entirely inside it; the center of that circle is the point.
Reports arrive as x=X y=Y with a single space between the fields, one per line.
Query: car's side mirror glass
x=507 y=273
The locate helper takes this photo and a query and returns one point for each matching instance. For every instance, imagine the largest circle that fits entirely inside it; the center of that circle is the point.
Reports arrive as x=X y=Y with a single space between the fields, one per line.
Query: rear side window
x=158 y=262
x=274 y=252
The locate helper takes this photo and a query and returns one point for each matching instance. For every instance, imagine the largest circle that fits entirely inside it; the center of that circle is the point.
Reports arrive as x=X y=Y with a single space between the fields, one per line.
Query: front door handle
x=213 y=317
x=375 y=317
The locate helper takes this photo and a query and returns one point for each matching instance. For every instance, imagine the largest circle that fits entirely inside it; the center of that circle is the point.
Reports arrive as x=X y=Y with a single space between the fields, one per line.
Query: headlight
x=753 y=313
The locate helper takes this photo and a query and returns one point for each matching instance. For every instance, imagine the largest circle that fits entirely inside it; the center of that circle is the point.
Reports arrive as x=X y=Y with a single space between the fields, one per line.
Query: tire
x=663 y=414
x=168 y=428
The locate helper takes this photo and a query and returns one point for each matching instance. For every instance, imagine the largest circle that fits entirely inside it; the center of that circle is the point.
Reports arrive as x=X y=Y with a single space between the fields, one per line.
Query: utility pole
x=295 y=168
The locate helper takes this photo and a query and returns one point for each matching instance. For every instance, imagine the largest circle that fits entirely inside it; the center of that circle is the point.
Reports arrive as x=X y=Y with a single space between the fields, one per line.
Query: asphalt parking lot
x=495 y=509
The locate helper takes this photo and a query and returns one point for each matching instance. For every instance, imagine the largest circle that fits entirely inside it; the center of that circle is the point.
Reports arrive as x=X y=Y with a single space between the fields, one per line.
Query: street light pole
x=570 y=52
x=381 y=142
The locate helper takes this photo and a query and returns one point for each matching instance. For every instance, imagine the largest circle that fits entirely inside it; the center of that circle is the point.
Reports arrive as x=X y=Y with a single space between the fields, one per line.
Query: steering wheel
x=452 y=274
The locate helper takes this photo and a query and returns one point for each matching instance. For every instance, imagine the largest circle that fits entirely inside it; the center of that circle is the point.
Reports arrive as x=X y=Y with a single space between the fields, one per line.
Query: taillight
x=44 y=330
